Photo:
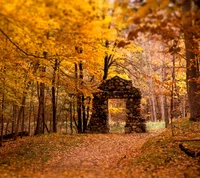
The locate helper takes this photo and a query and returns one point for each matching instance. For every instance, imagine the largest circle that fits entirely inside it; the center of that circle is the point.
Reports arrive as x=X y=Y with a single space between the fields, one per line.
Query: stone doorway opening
x=117 y=115
x=116 y=88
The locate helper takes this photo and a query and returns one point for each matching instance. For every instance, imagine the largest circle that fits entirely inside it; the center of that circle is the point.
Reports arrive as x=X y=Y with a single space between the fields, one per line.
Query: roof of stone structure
x=116 y=84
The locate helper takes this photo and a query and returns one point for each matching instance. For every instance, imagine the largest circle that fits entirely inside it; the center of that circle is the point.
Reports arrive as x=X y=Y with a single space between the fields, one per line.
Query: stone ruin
x=116 y=88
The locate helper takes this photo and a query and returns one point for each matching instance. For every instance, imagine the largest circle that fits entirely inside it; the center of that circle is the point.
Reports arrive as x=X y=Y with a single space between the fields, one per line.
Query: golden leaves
x=57 y=27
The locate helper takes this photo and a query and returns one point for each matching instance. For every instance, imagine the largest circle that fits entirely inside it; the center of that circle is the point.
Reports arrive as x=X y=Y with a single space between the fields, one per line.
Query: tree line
x=54 y=54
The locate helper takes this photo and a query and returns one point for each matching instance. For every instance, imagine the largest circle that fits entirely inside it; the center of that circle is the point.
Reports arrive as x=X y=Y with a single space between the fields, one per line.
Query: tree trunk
x=19 y=118
x=78 y=101
x=192 y=71
x=34 y=118
x=40 y=118
x=14 y=115
x=54 y=109
x=54 y=96
x=172 y=96
x=154 y=116
x=2 y=121
x=71 y=117
x=105 y=70
x=166 y=112
x=84 y=115
x=7 y=125
x=162 y=99
x=23 y=120
x=29 y=117
x=31 y=111
x=87 y=110
x=84 y=121
x=108 y=61
x=151 y=85
x=183 y=107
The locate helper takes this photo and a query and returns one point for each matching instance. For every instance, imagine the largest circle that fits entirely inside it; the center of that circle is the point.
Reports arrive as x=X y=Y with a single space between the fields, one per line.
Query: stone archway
x=116 y=88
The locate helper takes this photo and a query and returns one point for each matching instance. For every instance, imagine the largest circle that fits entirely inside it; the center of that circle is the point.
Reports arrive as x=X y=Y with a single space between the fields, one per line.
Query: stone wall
x=116 y=88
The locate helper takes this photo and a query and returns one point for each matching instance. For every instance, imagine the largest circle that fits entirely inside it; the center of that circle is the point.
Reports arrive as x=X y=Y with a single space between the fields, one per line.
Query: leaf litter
x=153 y=154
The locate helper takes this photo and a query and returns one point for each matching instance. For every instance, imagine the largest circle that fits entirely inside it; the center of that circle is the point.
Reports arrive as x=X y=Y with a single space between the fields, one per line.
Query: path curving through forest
x=102 y=155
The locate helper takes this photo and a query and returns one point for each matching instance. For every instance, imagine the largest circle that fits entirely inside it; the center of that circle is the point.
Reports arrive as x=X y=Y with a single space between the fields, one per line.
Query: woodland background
x=55 y=53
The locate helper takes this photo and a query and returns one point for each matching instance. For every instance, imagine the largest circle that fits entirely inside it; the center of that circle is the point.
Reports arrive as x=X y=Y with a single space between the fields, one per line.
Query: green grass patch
x=116 y=127
x=155 y=125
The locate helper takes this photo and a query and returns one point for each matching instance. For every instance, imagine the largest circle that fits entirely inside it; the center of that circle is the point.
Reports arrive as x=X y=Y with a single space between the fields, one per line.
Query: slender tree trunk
x=153 y=107
x=79 y=106
x=54 y=109
x=2 y=121
x=84 y=115
x=79 y=112
x=40 y=118
x=34 y=118
x=74 y=113
x=151 y=85
x=84 y=121
x=29 y=117
x=166 y=112
x=105 y=70
x=184 y=106
x=7 y=126
x=192 y=70
x=108 y=61
x=87 y=109
x=148 y=60
x=162 y=105
x=23 y=120
x=14 y=110
x=162 y=102
x=71 y=117
x=66 y=120
x=31 y=111
x=19 y=118
x=172 y=96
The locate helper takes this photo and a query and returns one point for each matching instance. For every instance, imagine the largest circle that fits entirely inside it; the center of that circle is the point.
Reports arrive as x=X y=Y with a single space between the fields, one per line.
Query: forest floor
x=153 y=154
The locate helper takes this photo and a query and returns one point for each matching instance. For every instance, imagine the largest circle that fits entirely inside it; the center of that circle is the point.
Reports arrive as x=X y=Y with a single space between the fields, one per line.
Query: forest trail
x=103 y=155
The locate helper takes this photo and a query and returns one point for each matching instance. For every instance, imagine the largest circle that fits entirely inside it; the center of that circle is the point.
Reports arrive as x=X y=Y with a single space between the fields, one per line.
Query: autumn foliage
x=55 y=54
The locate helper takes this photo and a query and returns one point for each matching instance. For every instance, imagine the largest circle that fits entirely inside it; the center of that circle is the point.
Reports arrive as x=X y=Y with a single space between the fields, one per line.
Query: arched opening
x=116 y=115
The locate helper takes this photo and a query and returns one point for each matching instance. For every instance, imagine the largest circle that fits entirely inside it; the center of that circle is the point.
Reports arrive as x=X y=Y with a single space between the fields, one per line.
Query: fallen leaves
x=86 y=155
x=98 y=155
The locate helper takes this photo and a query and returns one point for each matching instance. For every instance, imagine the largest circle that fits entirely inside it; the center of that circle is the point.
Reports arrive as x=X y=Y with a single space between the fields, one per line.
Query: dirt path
x=100 y=156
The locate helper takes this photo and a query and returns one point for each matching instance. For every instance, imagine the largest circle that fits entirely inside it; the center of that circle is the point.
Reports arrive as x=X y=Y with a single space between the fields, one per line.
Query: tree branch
x=27 y=54
x=32 y=55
